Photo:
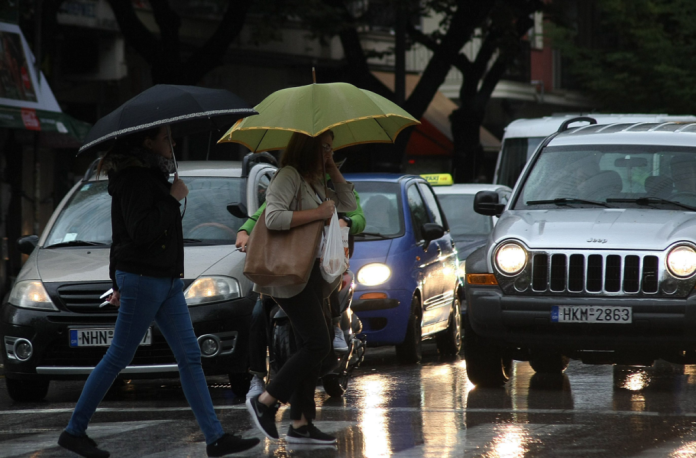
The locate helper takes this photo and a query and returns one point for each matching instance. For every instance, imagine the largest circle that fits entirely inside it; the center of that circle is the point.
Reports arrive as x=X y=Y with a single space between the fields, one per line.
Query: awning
x=434 y=135
x=26 y=104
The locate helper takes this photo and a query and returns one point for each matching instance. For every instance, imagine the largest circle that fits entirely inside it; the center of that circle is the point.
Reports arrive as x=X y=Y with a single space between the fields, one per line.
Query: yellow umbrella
x=354 y=115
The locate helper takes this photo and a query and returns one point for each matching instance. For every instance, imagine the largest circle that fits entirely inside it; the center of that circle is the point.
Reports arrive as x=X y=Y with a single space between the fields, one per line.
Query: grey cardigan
x=281 y=203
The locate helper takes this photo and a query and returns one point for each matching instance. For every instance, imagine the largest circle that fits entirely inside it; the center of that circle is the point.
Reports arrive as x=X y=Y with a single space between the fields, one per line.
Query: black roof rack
x=570 y=121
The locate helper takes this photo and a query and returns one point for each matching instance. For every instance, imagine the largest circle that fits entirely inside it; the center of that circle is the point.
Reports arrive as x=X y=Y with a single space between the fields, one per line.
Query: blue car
x=406 y=267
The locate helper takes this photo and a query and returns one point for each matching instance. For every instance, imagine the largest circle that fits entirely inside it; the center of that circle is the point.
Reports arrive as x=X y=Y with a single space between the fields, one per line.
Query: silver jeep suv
x=593 y=257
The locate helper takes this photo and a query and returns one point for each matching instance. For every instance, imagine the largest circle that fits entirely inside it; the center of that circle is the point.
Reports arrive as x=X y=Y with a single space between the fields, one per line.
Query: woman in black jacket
x=147 y=264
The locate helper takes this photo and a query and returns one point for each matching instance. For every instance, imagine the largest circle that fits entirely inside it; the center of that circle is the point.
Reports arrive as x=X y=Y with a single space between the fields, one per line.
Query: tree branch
x=134 y=32
x=169 y=24
x=211 y=53
x=461 y=28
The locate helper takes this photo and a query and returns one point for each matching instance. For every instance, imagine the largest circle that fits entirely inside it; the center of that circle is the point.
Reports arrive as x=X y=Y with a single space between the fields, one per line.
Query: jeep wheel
x=409 y=352
x=549 y=363
x=27 y=390
x=449 y=342
x=485 y=364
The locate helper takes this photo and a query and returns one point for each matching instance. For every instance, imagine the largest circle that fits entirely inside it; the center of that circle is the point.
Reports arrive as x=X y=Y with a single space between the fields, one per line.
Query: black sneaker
x=263 y=416
x=229 y=443
x=308 y=434
x=82 y=445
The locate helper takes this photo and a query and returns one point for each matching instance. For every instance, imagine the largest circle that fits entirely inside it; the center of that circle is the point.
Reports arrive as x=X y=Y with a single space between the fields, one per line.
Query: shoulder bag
x=282 y=258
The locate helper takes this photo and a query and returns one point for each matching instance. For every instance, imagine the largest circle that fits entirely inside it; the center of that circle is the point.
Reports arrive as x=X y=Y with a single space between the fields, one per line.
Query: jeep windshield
x=86 y=218
x=616 y=176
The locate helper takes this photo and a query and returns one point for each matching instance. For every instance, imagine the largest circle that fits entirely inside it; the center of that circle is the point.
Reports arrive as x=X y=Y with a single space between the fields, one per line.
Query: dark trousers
x=259 y=335
x=297 y=380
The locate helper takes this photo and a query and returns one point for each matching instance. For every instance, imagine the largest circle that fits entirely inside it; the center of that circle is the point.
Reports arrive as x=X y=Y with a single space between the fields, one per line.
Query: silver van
x=53 y=325
x=593 y=257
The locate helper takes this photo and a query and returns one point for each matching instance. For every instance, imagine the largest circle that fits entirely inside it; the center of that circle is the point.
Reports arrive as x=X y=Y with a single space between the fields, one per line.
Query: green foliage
x=639 y=57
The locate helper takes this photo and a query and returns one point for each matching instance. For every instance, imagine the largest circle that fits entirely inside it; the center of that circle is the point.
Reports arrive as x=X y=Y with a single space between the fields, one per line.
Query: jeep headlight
x=374 y=274
x=681 y=261
x=510 y=258
x=211 y=289
x=31 y=294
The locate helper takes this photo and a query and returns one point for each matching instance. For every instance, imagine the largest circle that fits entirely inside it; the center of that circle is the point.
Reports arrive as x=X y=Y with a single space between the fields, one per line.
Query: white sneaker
x=257 y=387
x=339 y=342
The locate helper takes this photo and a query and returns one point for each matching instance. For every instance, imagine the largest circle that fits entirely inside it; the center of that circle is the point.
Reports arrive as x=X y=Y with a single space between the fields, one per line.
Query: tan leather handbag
x=282 y=258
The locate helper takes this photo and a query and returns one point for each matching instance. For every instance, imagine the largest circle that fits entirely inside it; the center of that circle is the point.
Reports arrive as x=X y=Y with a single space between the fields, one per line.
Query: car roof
x=469 y=188
x=644 y=133
x=543 y=127
x=388 y=177
x=210 y=169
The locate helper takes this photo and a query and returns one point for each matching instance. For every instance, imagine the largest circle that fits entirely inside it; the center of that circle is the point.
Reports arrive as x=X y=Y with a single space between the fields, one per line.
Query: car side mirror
x=431 y=231
x=238 y=210
x=488 y=203
x=27 y=244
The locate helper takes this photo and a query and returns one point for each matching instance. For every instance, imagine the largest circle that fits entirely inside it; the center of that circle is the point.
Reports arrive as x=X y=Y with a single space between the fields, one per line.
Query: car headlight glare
x=511 y=258
x=374 y=274
x=31 y=294
x=681 y=261
x=211 y=289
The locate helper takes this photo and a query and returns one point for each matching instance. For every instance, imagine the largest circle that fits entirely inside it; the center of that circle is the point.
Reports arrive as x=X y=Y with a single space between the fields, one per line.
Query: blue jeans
x=144 y=300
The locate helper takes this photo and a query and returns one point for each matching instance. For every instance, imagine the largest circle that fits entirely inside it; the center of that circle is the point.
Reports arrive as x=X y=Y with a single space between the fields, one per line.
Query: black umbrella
x=188 y=109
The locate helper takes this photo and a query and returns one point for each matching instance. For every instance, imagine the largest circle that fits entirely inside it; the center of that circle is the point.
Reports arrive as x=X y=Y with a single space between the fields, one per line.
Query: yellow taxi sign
x=439 y=179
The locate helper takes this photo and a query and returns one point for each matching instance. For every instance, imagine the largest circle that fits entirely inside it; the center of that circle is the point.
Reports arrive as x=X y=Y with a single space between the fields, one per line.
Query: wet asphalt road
x=429 y=410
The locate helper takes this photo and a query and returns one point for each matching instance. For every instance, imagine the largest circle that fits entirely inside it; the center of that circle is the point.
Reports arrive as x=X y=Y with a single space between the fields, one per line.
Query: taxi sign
x=439 y=179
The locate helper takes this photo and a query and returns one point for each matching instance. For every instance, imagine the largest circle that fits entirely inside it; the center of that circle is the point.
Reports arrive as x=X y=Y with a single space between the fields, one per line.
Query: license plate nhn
x=99 y=337
x=591 y=314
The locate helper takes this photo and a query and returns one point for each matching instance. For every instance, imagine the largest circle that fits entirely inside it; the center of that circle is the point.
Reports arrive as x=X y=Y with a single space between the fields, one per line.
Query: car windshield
x=381 y=203
x=87 y=216
x=619 y=176
x=463 y=220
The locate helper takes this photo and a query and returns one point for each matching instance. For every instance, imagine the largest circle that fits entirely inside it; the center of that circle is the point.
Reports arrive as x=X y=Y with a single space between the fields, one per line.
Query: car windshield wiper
x=75 y=243
x=567 y=200
x=653 y=200
x=372 y=234
x=193 y=241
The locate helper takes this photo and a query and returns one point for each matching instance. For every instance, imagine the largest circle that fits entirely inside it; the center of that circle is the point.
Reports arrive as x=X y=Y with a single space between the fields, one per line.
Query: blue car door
x=428 y=262
x=444 y=271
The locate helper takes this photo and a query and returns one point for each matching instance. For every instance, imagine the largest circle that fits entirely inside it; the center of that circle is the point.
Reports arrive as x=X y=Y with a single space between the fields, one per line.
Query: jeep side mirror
x=431 y=231
x=238 y=210
x=27 y=244
x=488 y=203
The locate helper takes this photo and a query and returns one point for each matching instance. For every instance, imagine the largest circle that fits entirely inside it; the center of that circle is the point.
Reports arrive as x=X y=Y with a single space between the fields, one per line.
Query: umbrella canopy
x=188 y=109
x=354 y=115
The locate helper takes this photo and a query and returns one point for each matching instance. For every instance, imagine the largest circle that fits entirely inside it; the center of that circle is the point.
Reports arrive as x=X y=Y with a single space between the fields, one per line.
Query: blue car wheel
x=409 y=351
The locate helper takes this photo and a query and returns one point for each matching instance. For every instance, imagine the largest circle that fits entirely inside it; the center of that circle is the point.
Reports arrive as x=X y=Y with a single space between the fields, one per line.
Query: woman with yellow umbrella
x=309 y=122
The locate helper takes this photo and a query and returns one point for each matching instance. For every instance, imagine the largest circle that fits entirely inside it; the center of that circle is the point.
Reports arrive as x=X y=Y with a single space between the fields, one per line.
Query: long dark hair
x=304 y=153
x=125 y=144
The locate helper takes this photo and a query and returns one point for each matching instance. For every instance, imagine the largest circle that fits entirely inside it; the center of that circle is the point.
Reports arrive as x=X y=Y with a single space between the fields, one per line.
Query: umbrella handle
x=176 y=166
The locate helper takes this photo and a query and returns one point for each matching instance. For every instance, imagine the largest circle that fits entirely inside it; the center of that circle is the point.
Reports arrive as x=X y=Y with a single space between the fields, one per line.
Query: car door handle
x=439 y=249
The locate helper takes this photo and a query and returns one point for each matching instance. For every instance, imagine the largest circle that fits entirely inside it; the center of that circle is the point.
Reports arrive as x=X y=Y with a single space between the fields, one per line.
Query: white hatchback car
x=53 y=325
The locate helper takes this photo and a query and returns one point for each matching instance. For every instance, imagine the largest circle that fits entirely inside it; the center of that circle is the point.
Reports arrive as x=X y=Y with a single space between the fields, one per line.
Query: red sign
x=30 y=120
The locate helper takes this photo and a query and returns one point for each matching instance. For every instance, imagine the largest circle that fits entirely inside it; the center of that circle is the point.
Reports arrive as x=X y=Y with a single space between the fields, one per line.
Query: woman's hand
x=326 y=209
x=179 y=189
x=115 y=299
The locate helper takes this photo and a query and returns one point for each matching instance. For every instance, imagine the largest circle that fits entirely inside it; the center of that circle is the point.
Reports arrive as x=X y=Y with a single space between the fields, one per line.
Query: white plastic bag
x=334 y=253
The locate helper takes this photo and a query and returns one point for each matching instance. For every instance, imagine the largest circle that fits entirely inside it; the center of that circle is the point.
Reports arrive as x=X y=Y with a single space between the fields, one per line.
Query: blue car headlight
x=374 y=274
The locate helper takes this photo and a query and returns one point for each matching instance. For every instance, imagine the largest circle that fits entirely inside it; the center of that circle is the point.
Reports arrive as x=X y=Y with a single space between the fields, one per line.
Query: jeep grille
x=591 y=273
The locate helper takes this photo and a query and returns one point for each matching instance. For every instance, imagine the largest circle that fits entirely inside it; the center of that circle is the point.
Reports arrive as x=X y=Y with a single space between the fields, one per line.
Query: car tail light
x=346 y=280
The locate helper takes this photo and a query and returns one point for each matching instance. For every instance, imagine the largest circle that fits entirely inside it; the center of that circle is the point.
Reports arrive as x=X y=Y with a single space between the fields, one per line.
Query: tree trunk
x=468 y=157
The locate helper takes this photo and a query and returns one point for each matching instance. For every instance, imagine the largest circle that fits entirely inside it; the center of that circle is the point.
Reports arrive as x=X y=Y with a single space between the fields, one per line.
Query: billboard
x=15 y=79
